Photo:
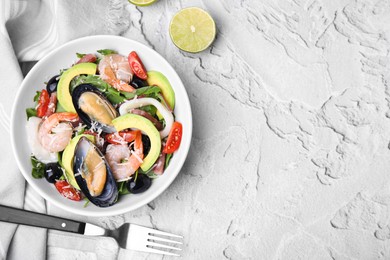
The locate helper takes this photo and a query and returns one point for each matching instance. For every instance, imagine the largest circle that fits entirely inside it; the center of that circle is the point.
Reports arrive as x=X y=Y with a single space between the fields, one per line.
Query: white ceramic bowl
x=64 y=57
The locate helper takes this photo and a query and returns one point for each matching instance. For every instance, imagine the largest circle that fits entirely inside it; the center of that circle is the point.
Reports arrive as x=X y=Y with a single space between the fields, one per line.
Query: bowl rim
x=108 y=211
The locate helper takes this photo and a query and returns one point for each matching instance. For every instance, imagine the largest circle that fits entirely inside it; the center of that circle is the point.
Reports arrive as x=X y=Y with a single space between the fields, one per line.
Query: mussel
x=93 y=174
x=93 y=108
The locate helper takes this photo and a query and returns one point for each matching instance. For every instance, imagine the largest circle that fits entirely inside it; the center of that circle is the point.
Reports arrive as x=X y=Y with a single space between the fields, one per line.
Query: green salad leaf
x=80 y=55
x=122 y=188
x=152 y=175
x=148 y=91
x=114 y=96
x=36 y=97
x=31 y=112
x=106 y=51
x=167 y=159
x=150 y=109
x=38 y=168
x=90 y=79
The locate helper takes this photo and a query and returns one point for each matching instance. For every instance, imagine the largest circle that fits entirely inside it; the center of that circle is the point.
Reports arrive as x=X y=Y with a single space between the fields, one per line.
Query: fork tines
x=157 y=241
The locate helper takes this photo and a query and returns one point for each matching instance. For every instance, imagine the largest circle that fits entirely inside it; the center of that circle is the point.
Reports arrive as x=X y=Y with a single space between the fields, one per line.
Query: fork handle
x=30 y=218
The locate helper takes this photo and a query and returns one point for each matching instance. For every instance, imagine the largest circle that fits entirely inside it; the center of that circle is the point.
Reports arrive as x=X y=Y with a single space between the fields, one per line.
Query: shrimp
x=124 y=162
x=54 y=134
x=115 y=70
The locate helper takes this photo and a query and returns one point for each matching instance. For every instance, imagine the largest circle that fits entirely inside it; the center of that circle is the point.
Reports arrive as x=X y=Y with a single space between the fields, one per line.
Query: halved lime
x=192 y=29
x=142 y=2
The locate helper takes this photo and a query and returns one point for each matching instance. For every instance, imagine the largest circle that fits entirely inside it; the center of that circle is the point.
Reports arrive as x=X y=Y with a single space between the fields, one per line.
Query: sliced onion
x=140 y=102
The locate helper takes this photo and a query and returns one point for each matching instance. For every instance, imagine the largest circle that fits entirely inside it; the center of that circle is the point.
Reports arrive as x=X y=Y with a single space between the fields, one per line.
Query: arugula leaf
x=80 y=55
x=114 y=96
x=31 y=112
x=37 y=95
x=152 y=175
x=167 y=159
x=122 y=188
x=106 y=51
x=93 y=80
x=150 y=109
x=149 y=91
x=38 y=169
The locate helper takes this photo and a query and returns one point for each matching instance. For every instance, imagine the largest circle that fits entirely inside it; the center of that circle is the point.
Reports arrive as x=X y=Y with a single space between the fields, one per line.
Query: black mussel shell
x=87 y=100
x=53 y=172
x=51 y=85
x=88 y=163
x=137 y=82
x=141 y=184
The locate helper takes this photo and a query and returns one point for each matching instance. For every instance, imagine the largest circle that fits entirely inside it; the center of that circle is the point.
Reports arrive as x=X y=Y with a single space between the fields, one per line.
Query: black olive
x=53 y=172
x=142 y=184
x=146 y=144
x=51 y=85
x=137 y=82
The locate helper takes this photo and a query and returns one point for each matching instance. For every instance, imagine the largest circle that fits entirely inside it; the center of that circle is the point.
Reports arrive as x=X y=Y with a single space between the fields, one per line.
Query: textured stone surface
x=289 y=158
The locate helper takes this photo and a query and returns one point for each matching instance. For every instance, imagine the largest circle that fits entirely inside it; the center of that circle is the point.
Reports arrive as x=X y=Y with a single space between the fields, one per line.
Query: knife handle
x=30 y=218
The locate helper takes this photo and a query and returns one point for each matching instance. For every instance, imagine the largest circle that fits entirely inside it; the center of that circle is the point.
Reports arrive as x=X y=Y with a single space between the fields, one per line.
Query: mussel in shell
x=93 y=108
x=93 y=174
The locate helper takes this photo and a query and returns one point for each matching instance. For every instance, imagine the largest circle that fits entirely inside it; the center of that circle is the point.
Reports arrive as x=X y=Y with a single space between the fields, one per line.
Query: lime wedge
x=142 y=2
x=192 y=29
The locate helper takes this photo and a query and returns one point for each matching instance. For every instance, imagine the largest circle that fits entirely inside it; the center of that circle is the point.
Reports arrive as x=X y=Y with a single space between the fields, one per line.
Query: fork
x=128 y=236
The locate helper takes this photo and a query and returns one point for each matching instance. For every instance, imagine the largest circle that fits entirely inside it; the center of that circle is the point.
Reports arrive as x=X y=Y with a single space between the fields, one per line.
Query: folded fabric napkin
x=29 y=29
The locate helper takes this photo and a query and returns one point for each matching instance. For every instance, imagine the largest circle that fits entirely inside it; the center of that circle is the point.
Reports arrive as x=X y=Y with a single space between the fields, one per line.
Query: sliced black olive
x=137 y=82
x=142 y=183
x=53 y=172
x=146 y=144
x=51 y=85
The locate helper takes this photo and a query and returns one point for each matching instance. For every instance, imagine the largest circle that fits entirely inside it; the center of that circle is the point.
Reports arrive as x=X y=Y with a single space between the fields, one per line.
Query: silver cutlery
x=128 y=236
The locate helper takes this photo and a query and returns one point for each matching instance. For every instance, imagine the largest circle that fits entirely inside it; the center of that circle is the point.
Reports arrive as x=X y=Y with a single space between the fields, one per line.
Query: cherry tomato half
x=43 y=103
x=136 y=66
x=67 y=190
x=174 y=138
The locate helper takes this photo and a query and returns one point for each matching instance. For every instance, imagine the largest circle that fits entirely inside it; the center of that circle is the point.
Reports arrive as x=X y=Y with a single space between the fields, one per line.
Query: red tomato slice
x=174 y=138
x=67 y=190
x=43 y=103
x=51 y=107
x=136 y=66
x=121 y=137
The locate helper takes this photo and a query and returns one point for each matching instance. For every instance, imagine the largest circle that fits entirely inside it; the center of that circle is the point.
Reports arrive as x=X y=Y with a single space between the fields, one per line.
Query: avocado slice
x=63 y=91
x=156 y=78
x=67 y=158
x=143 y=124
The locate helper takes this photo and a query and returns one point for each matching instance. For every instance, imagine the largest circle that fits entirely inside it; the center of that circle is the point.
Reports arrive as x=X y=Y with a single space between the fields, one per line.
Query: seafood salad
x=103 y=128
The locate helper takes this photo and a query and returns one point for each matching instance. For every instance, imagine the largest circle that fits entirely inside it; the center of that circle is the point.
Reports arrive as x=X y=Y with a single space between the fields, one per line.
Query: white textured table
x=290 y=157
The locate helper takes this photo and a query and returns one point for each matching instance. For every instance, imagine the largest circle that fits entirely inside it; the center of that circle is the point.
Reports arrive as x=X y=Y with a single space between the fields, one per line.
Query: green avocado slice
x=67 y=158
x=63 y=91
x=143 y=124
x=156 y=78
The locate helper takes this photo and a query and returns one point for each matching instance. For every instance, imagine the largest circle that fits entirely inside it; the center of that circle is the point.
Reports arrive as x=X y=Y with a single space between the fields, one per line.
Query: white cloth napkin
x=29 y=29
